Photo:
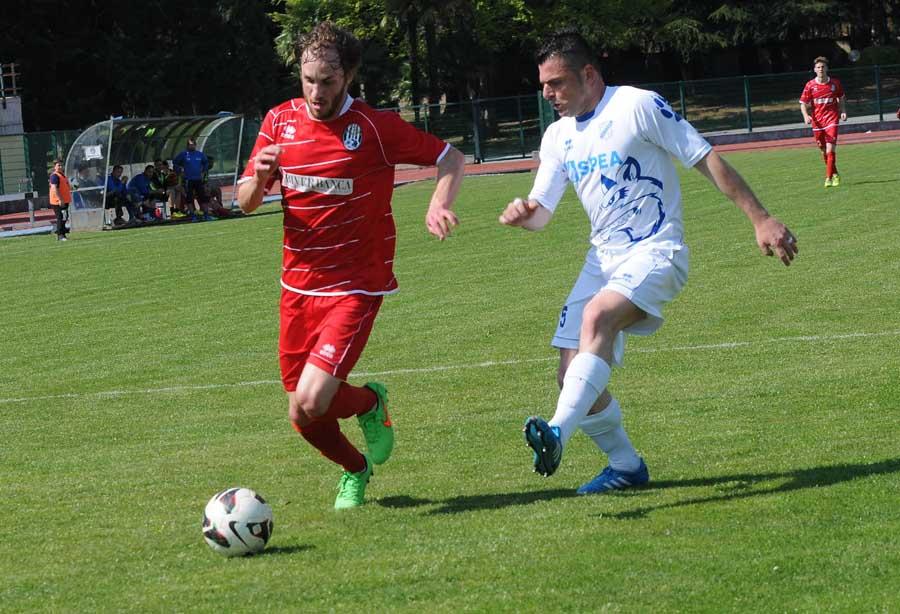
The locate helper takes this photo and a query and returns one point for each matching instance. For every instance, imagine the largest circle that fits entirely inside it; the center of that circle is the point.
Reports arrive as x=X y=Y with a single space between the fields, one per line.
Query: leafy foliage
x=83 y=60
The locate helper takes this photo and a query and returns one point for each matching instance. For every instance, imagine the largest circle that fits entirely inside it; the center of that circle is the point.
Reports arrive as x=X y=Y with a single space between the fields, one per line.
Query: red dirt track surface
x=409 y=175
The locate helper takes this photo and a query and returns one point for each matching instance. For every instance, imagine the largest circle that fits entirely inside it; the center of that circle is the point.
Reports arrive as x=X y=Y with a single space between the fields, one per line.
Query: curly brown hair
x=327 y=36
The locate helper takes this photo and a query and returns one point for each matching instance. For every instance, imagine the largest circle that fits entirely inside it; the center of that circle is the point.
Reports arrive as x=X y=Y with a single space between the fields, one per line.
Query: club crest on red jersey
x=352 y=137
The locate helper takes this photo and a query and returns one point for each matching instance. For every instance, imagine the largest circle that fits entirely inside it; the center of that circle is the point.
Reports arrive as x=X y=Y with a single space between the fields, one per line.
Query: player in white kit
x=614 y=145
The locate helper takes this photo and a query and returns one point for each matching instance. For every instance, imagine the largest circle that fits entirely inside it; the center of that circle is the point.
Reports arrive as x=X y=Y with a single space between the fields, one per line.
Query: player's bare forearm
x=772 y=237
x=251 y=191
x=250 y=194
x=731 y=184
x=440 y=218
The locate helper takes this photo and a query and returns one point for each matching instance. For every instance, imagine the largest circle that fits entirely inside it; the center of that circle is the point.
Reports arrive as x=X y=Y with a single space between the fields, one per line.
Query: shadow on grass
x=471 y=503
x=280 y=550
x=876 y=181
x=741 y=486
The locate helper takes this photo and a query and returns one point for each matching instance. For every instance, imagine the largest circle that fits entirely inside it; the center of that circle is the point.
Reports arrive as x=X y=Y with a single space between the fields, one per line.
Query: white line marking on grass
x=477 y=365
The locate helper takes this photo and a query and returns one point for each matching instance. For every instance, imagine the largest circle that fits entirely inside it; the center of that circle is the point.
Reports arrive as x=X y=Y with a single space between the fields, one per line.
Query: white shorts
x=649 y=278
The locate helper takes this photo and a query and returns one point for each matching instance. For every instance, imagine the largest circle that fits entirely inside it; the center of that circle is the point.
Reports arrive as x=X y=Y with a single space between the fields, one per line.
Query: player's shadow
x=743 y=485
x=876 y=181
x=471 y=503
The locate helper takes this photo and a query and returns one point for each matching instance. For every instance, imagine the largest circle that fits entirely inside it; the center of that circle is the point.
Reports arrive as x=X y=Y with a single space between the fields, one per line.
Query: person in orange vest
x=60 y=197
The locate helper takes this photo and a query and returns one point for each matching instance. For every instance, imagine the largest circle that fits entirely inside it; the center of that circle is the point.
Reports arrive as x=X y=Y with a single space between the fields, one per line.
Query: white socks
x=586 y=377
x=605 y=428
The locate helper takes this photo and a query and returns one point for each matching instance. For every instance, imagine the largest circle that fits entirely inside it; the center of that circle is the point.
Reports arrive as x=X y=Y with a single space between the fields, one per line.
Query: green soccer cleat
x=376 y=426
x=352 y=488
x=828 y=182
x=835 y=180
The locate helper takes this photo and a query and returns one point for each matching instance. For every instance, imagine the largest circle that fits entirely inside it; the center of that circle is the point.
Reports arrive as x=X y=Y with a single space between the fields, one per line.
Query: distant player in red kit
x=825 y=96
x=334 y=156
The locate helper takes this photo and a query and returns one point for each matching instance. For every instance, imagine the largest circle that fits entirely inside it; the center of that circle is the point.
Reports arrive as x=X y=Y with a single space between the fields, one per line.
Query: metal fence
x=511 y=127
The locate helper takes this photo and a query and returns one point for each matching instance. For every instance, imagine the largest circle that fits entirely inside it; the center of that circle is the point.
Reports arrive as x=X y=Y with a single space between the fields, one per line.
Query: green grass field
x=138 y=376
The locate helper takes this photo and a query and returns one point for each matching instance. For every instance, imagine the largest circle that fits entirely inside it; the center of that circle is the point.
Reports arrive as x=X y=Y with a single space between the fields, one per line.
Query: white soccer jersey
x=617 y=158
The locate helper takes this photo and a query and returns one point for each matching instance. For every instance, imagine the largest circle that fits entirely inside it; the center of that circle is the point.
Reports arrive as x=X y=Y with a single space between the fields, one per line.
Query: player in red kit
x=335 y=156
x=825 y=96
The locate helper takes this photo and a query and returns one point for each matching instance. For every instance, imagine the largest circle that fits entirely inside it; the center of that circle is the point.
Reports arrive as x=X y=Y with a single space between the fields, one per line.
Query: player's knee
x=598 y=323
x=309 y=404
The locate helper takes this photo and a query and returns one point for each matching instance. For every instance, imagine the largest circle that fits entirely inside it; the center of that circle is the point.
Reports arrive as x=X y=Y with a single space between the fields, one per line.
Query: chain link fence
x=511 y=127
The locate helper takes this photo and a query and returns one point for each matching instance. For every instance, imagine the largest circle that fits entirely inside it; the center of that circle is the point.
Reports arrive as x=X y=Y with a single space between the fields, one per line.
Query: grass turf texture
x=139 y=376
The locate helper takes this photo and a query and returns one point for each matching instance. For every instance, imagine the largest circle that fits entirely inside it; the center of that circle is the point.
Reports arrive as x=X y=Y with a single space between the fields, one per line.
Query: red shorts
x=327 y=331
x=826 y=135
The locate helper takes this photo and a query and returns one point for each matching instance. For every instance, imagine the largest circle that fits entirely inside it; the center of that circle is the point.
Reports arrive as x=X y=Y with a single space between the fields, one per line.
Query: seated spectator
x=170 y=183
x=142 y=194
x=84 y=177
x=193 y=165
x=117 y=197
x=215 y=206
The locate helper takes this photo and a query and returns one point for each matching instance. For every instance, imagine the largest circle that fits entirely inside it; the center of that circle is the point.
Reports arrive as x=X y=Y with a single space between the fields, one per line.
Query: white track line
x=477 y=365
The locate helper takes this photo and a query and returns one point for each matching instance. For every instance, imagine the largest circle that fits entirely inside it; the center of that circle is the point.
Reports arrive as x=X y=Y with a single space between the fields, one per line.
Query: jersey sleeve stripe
x=324 y=163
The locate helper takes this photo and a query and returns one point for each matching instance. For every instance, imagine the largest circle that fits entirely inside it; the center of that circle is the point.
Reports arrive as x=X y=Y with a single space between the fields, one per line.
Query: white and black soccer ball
x=237 y=521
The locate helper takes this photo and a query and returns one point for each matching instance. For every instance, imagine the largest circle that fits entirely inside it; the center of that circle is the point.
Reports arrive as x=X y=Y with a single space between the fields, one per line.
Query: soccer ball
x=237 y=521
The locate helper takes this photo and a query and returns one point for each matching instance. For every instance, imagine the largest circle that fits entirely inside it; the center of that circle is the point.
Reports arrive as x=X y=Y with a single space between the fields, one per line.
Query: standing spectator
x=192 y=165
x=60 y=198
x=335 y=158
x=824 y=95
x=117 y=197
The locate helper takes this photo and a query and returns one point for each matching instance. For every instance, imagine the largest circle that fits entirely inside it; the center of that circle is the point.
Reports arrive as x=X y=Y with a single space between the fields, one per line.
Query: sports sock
x=326 y=437
x=605 y=429
x=585 y=379
x=829 y=165
x=351 y=401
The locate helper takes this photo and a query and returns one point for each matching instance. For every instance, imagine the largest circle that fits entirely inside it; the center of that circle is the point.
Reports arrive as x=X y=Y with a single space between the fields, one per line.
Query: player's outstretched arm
x=772 y=237
x=525 y=213
x=440 y=218
x=251 y=192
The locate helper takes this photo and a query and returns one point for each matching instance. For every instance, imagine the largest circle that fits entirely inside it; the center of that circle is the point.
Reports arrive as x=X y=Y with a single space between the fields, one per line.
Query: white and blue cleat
x=611 y=479
x=545 y=442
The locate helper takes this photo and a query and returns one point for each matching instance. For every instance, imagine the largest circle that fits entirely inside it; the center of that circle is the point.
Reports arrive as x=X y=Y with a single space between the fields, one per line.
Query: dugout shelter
x=135 y=143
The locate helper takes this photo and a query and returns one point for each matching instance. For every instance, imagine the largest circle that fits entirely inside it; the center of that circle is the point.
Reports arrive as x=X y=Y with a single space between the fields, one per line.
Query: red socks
x=351 y=401
x=830 y=167
x=326 y=437
x=324 y=434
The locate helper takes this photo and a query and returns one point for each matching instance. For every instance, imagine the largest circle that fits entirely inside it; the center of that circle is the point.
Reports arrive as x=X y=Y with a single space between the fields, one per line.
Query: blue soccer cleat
x=611 y=479
x=544 y=440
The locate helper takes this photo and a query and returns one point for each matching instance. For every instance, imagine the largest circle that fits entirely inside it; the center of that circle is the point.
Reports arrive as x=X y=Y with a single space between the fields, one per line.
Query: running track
x=409 y=175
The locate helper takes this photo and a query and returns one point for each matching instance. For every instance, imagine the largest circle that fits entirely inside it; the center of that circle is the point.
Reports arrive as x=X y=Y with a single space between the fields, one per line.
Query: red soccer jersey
x=337 y=178
x=824 y=99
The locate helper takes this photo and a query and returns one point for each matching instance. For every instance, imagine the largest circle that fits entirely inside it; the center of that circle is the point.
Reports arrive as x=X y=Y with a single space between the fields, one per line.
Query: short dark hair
x=327 y=36
x=568 y=45
x=118 y=166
